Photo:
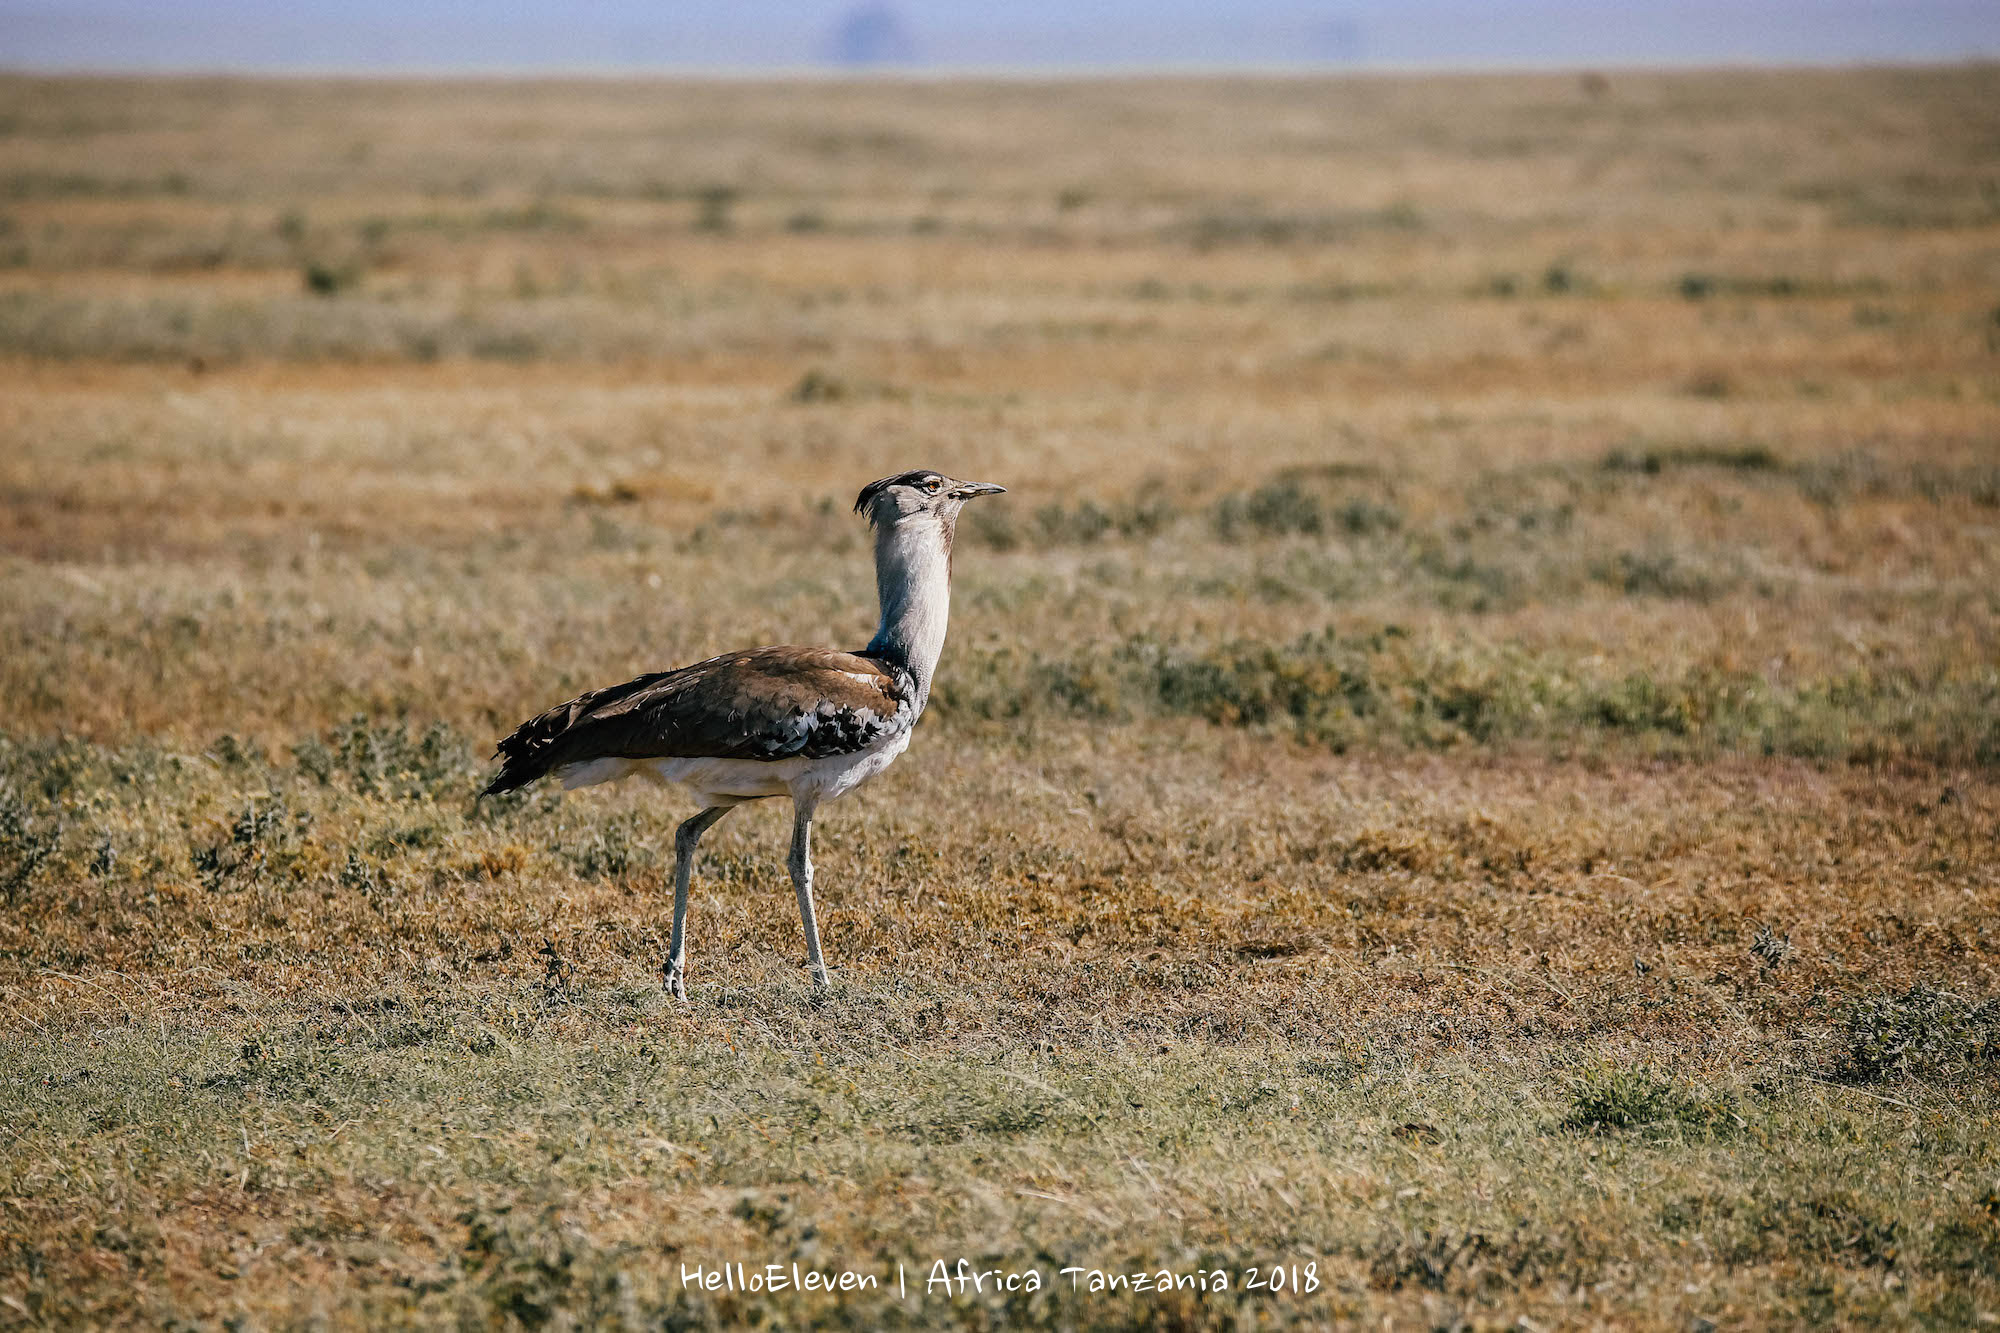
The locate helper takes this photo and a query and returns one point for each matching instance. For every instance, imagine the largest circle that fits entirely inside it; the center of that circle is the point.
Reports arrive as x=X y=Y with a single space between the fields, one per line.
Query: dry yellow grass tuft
x=1466 y=759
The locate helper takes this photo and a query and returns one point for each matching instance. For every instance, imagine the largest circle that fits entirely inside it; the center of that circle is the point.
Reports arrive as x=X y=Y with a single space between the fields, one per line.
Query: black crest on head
x=916 y=477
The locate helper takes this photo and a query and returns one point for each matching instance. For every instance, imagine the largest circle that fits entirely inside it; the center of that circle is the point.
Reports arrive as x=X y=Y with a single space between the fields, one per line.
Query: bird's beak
x=972 y=488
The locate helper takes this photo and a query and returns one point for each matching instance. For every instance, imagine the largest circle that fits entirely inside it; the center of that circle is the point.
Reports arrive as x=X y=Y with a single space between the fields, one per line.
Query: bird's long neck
x=913 y=578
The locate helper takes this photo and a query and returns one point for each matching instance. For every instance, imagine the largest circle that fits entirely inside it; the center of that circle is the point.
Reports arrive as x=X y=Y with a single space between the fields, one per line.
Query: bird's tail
x=530 y=751
x=552 y=739
x=514 y=775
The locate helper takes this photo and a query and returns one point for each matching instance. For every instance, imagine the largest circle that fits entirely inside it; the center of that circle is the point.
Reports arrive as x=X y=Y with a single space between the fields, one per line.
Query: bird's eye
x=932 y=485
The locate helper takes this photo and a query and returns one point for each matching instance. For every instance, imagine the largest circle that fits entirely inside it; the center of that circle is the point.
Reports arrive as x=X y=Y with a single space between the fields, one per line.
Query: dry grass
x=1466 y=758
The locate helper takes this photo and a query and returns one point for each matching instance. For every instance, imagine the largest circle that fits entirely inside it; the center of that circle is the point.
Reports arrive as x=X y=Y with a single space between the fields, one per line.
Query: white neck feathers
x=913 y=579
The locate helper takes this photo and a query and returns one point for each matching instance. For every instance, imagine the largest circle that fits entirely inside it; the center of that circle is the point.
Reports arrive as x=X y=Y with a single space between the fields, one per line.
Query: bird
x=813 y=724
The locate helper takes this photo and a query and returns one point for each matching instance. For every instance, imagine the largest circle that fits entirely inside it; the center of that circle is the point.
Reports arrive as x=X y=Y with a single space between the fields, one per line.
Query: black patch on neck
x=898 y=665
x=864 y=502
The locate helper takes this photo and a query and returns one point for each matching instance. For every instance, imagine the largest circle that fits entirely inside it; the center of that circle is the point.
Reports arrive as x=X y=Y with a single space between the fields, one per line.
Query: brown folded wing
x=769 y=704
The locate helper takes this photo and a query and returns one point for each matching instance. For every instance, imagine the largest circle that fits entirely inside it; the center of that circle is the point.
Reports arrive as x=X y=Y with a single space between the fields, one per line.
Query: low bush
x=1922 y=1033
x=1621 y=1097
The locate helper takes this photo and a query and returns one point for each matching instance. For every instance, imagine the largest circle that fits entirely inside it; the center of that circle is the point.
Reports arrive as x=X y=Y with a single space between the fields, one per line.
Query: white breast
x=832 y=778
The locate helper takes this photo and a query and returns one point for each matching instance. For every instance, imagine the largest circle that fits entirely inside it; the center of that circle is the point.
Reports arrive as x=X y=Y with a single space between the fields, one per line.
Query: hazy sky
x=472 y=35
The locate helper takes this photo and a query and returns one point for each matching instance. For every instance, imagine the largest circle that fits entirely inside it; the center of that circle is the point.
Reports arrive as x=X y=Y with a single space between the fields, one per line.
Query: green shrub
x=1085 y=523
x=1305 y=501
x=1274 y=509
x=1751 y=457
x=716 y=205
x=386 y=760
x=1622 y=1097
x=1659 y=574
x=606 y=849
x=1922 y=1033
x=27 y=841
x=324 y=279
x=1364 y=517
x=817 y=386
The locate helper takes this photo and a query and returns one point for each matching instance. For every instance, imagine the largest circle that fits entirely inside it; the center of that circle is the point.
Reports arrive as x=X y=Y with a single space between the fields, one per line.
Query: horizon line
x=918 y=73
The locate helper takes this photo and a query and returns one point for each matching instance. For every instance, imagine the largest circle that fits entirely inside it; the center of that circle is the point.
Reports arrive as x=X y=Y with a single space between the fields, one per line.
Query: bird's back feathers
x=767 y=704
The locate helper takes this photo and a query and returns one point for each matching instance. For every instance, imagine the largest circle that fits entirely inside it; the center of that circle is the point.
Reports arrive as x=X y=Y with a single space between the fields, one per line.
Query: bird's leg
x=685 y=838
x=802 y=880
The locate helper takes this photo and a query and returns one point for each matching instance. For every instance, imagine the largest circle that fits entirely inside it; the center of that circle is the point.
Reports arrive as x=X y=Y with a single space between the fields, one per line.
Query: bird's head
x=919 y=494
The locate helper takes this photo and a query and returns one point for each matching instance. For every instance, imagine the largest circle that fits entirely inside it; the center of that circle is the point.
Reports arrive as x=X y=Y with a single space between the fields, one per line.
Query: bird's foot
x=676 y=984
x=822 y=980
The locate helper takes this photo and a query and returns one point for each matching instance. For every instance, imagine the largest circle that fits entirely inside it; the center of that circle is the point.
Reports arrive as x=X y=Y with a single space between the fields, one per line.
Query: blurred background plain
x=382 y=35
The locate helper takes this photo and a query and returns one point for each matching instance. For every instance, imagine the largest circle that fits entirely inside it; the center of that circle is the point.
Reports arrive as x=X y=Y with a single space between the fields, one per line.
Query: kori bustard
x=809 y=723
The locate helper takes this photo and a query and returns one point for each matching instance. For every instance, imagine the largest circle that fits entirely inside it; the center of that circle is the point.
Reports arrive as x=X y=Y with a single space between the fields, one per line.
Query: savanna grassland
x=1467 y=757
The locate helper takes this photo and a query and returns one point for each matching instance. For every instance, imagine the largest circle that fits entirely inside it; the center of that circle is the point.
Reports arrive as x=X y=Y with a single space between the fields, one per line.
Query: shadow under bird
x=809 y=723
